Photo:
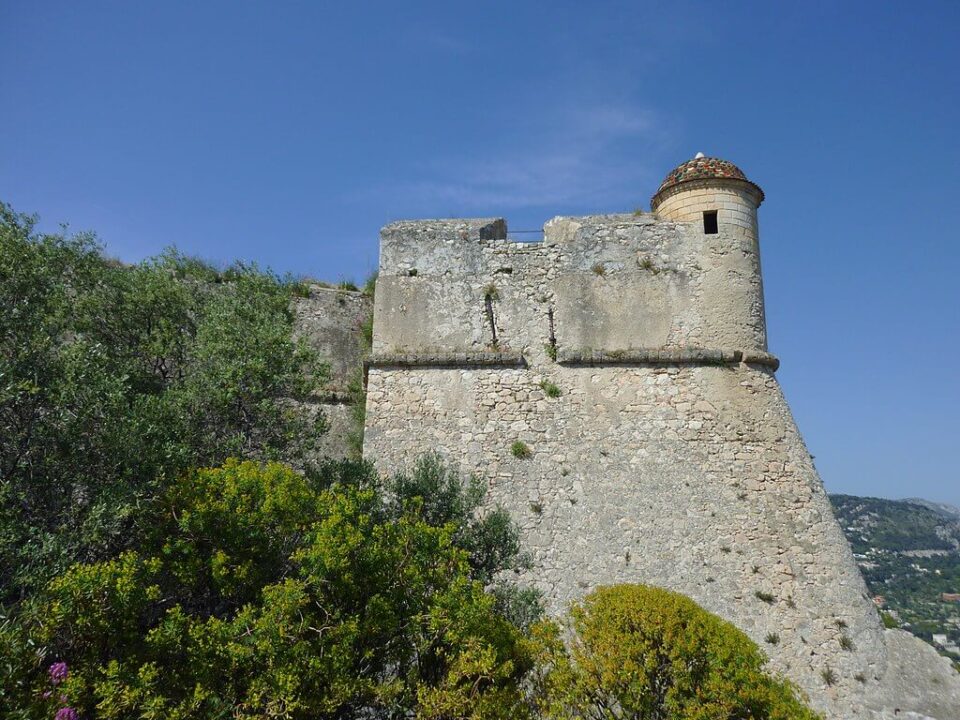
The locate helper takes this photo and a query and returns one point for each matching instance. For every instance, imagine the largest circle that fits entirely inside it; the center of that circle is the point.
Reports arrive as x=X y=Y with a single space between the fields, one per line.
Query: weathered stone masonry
x=670 y=456
x=330 y=320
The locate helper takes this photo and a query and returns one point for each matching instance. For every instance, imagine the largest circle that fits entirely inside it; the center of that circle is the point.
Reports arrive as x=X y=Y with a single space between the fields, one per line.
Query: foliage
x=357 y=391
x=550 y=389
x=114 y=378
x=645 y=653
x=264 y=593
x=357 y=398
x=521 y=450
x=764 y=597
x=491 y=540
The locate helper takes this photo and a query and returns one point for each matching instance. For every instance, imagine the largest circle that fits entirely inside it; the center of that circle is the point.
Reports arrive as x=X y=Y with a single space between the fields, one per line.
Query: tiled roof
x=699 y=168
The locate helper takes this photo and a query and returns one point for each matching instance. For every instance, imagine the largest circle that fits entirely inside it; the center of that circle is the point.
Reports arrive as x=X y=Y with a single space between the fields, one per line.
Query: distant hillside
x=909 y=553
x=951 y=511
x=895 y=525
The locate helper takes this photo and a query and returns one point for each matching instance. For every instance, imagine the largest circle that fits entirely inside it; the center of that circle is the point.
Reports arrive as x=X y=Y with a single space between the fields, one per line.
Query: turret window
x=710 y=222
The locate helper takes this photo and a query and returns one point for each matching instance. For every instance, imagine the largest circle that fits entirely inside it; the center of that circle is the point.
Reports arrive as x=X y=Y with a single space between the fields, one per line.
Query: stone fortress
x=613 y=385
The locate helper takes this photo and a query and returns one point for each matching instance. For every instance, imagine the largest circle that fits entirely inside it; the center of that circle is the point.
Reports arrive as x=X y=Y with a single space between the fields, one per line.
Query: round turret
x=718 y=205
x=712 y=190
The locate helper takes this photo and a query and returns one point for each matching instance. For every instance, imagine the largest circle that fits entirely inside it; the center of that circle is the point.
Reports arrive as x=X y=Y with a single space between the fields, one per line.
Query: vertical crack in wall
x=491 y=320
x=553 y=335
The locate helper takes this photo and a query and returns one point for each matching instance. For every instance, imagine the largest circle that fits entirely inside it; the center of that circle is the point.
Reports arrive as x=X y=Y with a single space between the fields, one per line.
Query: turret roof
x=699 y=168
x=702 y=168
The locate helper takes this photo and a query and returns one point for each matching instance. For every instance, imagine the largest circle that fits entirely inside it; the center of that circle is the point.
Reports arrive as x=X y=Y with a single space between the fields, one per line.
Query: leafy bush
x=114 y=378
x=263 y=593
x=651 y=653
x=435 y=492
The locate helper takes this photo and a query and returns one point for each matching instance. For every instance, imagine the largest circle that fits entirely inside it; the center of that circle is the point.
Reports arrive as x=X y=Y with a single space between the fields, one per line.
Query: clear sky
x=289 y=133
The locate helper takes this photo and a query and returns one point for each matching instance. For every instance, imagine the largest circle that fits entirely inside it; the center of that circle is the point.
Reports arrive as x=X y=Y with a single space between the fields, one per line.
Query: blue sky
x=288 y=133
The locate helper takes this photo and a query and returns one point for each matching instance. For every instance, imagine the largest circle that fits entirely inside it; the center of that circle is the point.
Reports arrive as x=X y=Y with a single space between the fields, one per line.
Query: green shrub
x=262 y=589
x=436 y=493
x=550 y=389
x=520 y=450
x=366 y=331
x=889 y=621
x=114 y=379
x=651 y=654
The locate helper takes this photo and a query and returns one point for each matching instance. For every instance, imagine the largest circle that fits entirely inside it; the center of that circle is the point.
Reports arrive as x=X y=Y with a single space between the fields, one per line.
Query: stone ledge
x=478 y=358
x=331 y=397
x=758 y=357
x=659 y=356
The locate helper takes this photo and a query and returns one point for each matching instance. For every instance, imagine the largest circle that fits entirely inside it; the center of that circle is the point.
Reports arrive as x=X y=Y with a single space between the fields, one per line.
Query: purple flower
x=66 y=713
x=58 y=672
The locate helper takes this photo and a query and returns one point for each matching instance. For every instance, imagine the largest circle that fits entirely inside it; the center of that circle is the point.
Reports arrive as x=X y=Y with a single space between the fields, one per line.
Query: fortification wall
x=612 y=283
x=669 y=457
x=330 y=321
x=685 y=477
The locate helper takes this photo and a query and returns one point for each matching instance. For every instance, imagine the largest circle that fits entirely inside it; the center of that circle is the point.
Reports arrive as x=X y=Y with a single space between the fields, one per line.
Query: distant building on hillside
x=950 y=597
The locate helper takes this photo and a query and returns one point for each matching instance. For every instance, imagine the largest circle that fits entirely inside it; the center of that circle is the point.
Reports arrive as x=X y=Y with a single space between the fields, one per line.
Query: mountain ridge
x=909 y=553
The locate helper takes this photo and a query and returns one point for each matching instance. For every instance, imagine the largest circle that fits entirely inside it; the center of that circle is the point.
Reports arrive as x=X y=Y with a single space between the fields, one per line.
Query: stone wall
x=606 y=282
x=691 y=478
x=670 y=456
x=331 y=321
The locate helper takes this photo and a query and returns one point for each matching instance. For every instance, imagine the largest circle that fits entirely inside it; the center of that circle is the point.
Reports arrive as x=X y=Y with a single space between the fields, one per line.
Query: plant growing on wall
x=550 y=389
x=520 y=449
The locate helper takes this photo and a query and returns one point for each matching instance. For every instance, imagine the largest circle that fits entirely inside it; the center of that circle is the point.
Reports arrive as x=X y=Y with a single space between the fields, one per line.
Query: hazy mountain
x=951 y=511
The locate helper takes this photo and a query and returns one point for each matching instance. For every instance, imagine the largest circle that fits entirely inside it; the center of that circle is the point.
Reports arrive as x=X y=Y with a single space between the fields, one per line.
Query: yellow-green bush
x=646 y=653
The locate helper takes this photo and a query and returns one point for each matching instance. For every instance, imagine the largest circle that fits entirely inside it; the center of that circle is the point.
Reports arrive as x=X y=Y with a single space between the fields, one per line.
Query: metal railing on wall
x=525 y=236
